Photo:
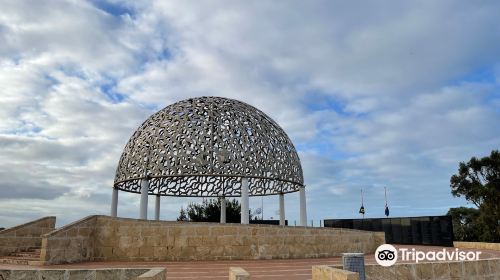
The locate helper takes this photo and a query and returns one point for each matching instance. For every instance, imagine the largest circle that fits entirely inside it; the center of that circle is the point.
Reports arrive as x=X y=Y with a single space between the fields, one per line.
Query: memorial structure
x=210 y=147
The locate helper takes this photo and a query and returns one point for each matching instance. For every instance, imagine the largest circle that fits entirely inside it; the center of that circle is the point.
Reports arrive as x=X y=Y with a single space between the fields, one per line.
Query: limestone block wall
x=481 y=269
x=25 y=236
x=71 y=243
x=121 y=239
x=87 y=274
x=130 y=239
x=477 y=245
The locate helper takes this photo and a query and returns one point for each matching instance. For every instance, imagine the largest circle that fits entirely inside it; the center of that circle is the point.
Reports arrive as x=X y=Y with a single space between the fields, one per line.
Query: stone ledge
x=77 y=274
x=154 y=274
x=51 y=220
x=238 y=273
x=64 y=229
x=325 y=272
x=482 y=269
x=476 y=245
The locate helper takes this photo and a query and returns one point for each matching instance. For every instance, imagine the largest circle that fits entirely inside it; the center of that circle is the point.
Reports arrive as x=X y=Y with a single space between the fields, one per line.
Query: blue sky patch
x=318 y=101
x=108 y=89
x=114 y=9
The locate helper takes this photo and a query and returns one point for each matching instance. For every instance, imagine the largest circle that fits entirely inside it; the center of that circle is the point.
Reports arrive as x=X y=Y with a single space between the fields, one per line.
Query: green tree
x=182 y=215
x=209 y=211
x=479 y=182
x=465 y=223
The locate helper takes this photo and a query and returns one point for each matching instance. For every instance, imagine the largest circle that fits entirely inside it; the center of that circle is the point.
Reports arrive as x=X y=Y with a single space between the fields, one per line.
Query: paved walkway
x=290 y=269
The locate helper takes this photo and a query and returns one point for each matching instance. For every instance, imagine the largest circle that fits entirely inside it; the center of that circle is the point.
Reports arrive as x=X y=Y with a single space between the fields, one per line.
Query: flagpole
x=262 y=207
x=386 y=210
x=385 y=194
x=362 y=203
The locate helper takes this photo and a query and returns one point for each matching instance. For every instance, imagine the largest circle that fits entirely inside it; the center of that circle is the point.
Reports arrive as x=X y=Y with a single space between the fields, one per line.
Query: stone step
x=35 y=250
x=36 y=258
x=13 y=260
x=36 y=263
x=26 y=255
x=31 y=256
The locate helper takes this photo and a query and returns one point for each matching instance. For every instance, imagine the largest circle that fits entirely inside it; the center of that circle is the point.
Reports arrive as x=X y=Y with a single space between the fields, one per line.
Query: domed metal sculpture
x=204 y=146
x=210 y=147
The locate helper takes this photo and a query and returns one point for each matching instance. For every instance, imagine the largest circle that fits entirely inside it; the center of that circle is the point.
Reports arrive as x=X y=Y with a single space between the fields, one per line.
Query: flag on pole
x=386 y=206
x=362 y=208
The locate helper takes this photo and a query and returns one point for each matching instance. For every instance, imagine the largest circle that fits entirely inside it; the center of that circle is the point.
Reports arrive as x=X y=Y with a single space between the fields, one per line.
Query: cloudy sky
x=373 y=94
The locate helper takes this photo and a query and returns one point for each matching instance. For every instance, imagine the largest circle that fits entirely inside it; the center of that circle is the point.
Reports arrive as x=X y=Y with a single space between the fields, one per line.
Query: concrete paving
x=290 y=269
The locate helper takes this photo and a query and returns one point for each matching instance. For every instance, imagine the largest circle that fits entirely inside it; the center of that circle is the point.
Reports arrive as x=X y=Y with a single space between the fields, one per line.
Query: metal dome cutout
x=203 y=147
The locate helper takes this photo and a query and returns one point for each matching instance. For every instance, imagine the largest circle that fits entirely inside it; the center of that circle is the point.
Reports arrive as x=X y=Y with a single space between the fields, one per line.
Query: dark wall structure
x=428 y=230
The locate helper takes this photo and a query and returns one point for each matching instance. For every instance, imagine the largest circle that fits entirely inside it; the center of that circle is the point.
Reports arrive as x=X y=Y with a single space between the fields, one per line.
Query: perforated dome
x=204 y=146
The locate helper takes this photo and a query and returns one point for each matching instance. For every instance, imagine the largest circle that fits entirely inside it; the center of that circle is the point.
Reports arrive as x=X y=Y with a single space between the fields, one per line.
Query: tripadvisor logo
x=388 y=255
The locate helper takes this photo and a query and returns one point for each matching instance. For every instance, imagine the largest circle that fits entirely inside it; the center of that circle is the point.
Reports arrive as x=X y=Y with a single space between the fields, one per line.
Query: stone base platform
x=104 y=238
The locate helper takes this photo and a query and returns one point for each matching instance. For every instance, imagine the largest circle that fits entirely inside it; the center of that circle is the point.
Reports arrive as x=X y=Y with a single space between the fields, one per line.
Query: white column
x=303 y=213
x=157 y=208
x=282 y=209
x=223 y=210
x=144 y=199
x=244 y=201
x=114 y=202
